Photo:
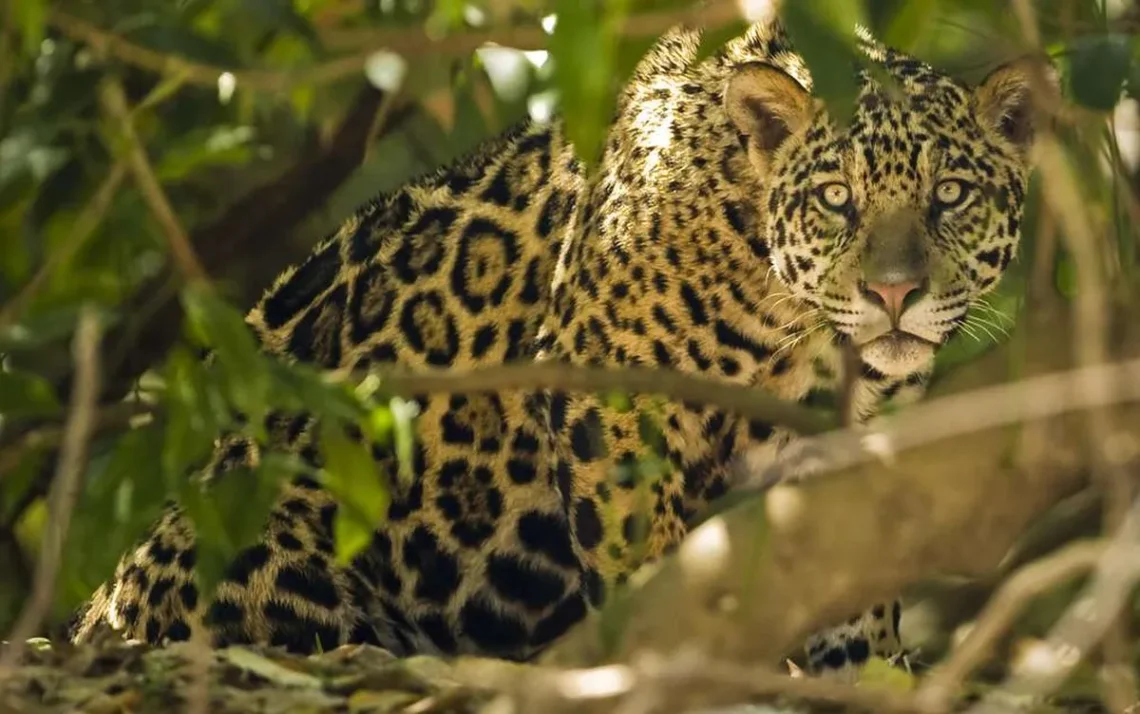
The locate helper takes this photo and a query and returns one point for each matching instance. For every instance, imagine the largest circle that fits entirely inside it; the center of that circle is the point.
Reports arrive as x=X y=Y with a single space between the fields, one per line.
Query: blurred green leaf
x=354 y=478
x=25 y=395
x=216 y=146
x=823 y=32
x=122 y=498
x=229 y=515
x=219 y=326
x=1099 y=66
x=584 y=47
x=31 y=18
x=196 y=412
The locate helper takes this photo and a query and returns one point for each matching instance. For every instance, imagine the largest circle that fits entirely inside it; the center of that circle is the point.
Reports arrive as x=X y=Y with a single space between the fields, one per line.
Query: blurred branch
x=86 y=223
x=1090 y=617
x=65 y=486
x=115 y=104
x=407 y=41
x=1000 y=612
x=51 y=436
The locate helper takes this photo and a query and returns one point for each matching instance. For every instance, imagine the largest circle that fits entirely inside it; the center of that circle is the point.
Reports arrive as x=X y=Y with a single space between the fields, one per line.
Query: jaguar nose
x=894 y=297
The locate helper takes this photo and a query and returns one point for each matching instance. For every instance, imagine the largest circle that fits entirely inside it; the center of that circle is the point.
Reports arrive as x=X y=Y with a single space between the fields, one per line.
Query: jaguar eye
x=950 y=193
x=834 y=195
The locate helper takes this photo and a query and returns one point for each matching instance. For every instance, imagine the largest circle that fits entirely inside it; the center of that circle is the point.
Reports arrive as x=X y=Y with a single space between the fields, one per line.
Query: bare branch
x=1083 y=625
x=65 y=486
x=999 y=614
x=86 y=223
x=408 y=41
x=115 y=104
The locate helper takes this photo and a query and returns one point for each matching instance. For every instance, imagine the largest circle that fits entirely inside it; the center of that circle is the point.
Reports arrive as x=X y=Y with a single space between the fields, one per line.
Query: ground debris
x=124 y=677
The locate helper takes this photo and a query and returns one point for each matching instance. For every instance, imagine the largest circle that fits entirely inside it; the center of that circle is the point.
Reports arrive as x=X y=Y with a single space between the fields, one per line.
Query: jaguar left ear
x=766 y=105
x=1006 y=100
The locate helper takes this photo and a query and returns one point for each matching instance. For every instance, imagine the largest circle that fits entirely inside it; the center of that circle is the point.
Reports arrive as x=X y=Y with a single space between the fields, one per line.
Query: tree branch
x=115 y=104
x=65 y=486
x=407 y=41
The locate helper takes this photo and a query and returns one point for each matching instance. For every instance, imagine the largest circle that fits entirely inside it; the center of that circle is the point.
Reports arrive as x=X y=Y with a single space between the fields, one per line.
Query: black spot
x=160 y=554
x=421 y=252
x=858 y=650
x=586 y=438
x=531 y=293
x=316 y=336
x=438 y=570
x=178 y=631
x=189 y=596
x=288 y=541
x=549 y=535
x=587 y=525
x=521 y=471
x=247 y=563
x=532 y=586
x=435 y=627
x=557 y=623
x=371 y=304
x=302 y=287
x=314 y=587
x=834 y=658
x=158 y=591
x=224 y=612
x=153 y=630
x=694 y=304
x=187 y=559
x=635 y=528
x=493 y=631
x=483 y=340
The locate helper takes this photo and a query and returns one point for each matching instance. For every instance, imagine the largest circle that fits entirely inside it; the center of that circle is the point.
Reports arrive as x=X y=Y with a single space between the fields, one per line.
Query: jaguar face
x=892 y=226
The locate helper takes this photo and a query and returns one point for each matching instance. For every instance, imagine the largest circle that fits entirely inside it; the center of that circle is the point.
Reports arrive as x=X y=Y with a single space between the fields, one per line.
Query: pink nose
x=893 y=295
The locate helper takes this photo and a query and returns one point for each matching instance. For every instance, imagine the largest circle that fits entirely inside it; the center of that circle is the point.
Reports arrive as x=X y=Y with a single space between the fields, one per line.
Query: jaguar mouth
x=900 y=339
x=897 y=353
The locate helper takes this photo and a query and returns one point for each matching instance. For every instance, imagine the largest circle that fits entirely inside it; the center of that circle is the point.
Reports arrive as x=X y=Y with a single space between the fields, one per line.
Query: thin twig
x=1082 y=625
x=65 y=486
x=88 y=220
x=410 y=42
x=1031 y=580
x=115 y=104
x=946 y=417
x=111 y=418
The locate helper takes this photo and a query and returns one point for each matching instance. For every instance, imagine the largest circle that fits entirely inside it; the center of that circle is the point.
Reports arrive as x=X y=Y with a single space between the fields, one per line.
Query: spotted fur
x=734 y=231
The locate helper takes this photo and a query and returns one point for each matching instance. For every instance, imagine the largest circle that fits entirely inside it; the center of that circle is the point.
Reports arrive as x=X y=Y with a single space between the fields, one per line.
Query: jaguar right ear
x=766 y=105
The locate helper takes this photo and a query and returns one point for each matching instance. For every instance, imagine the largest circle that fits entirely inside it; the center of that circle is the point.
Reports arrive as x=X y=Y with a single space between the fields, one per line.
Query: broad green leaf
x=31 y=18
x=215 y=146
x=217 y=325
x=823 y=32
x=229 y=515
x=1099 y=66
x=196 y=413
x=23 y=394
x=584 y=48
x=122 y=497
x=359 y=486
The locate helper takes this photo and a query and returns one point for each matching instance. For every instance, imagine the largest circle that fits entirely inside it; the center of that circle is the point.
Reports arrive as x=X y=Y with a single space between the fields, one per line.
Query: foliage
x=226 y=94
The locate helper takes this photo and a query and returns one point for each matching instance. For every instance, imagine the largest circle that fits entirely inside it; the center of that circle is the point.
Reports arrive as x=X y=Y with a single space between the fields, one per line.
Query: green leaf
x=31 y=18
x=230 y=515
x=216 y=146
x=823 y=32
x=23 y=394
x=584 y=48
x=219 y=326
x=122 y=498
x=196 y=413
x=1099 y=65
x=356 y=481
